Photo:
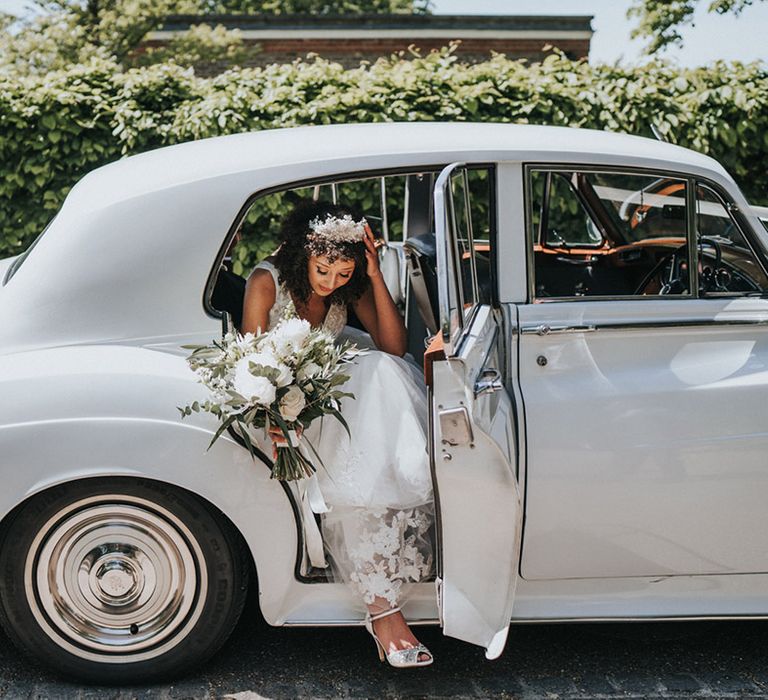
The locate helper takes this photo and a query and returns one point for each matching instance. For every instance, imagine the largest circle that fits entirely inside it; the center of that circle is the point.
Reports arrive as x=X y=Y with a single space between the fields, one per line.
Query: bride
x=376 y=485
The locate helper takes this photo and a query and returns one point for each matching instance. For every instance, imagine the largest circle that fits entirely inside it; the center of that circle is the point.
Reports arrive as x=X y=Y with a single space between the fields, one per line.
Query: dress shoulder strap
x=268 y=265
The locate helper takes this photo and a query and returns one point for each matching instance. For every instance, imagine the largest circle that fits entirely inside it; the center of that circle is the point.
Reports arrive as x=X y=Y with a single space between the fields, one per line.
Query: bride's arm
x=377 y=311
x=259 y=297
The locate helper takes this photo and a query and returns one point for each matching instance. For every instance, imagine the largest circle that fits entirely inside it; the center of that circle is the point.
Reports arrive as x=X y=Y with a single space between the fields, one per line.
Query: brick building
x=350 y=39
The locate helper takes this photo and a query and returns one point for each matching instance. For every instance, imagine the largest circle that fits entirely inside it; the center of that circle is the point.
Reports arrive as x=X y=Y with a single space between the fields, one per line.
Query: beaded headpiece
x=330 y=236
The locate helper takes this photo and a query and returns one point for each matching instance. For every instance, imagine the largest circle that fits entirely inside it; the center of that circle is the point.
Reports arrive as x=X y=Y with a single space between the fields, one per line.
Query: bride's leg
x=392 y=630
x=381 y=552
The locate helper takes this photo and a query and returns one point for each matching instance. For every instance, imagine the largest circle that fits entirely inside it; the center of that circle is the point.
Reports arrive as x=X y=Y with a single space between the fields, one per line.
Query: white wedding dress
x=375 y=489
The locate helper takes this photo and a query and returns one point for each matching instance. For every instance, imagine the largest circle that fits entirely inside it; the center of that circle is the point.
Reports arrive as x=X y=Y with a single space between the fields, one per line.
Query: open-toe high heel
x=400 y=658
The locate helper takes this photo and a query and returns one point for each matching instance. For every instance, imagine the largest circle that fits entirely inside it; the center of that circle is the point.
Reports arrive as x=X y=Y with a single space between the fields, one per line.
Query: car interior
x=400 y=209
x=614 y=234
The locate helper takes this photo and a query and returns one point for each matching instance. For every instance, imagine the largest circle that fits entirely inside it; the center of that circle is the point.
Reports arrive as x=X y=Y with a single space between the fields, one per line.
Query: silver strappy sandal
x=401 y=658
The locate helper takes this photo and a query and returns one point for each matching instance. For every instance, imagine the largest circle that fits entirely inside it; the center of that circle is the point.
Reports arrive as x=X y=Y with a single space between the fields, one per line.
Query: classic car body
x=599 y=423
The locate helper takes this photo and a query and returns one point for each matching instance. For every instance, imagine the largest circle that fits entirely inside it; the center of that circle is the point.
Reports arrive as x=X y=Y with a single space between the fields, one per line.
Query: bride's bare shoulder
x=261 y=284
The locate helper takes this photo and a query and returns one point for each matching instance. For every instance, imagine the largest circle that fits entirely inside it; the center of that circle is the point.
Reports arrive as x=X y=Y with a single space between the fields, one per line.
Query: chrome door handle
x=488 y=382
x=546 y=329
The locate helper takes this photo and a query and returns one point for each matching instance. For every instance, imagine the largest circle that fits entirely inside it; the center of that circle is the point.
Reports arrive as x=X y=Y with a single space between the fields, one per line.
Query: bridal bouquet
x=286 y=377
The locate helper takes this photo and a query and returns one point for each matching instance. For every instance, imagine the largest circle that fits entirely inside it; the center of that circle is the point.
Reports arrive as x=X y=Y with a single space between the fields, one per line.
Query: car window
x=727 y=263
x=607 y=234
x=380 y=199
x=567 y=221
x=470 y=190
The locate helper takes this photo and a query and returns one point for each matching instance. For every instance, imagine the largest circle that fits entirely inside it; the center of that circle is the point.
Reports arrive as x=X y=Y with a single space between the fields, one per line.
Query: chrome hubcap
x=121 y=578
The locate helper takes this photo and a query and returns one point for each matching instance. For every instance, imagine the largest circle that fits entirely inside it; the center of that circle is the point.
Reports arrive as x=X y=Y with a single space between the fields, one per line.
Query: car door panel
x=646 y=424
x=473 y=446
x=480 y=510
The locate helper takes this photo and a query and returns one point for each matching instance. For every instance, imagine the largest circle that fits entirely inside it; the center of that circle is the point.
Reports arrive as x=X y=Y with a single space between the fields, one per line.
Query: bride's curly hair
x=292 y=259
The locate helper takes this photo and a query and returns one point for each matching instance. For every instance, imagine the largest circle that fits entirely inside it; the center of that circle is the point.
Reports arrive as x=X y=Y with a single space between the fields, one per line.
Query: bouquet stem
x=290 y=464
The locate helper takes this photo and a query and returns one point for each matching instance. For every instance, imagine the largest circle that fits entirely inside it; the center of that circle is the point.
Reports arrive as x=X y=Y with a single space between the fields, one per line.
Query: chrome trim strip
x=639 y=618
x=544 y=329
x=692 y=231
x=551 y=620
x=354 y=623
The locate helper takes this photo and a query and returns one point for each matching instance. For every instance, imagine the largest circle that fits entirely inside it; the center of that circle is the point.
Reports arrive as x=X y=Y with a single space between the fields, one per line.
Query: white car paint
x=91 y=373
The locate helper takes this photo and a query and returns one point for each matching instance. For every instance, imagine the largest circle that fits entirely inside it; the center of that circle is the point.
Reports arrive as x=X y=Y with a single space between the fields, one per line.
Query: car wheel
x=121 y=579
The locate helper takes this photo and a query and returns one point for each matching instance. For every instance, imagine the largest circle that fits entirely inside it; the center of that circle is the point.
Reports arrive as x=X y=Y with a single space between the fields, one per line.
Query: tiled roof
x=535 y=24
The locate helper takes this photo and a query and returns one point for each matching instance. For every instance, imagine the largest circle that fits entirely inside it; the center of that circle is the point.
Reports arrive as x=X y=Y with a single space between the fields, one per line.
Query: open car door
x=473 y=436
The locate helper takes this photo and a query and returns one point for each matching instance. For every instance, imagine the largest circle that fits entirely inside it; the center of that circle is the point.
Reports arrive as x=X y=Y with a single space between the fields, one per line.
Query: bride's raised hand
x=371 y=255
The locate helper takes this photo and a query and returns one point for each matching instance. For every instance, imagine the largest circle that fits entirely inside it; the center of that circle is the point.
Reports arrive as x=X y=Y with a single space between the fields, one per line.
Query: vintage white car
x=598 y=381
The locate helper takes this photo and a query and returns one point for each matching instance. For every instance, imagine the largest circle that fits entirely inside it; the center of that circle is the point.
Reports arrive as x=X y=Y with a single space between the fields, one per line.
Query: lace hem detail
x=380 y=551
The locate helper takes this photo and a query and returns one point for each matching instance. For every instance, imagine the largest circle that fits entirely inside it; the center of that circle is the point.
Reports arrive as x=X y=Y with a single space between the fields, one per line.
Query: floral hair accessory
x=336 y=229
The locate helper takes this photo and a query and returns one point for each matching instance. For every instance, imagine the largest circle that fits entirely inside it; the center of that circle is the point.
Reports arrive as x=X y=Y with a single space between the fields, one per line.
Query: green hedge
x=56 y=128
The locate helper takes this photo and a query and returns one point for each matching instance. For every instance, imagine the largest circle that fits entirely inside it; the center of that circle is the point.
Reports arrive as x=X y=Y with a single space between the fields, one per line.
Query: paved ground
x=576 y=661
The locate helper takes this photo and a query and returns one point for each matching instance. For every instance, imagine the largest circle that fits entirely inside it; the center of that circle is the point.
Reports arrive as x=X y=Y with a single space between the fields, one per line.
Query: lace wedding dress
x=375 y=492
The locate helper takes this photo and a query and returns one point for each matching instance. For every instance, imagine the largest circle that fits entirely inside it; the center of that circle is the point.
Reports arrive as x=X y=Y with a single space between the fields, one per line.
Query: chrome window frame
x=449 y=255
x=321 y=181
x=734 y=212
x=691 y=183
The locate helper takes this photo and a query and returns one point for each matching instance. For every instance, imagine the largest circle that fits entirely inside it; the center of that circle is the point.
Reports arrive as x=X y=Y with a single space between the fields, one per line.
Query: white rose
x=289 y=335
x=256 y=389
x=308 y=371
x=292 y=404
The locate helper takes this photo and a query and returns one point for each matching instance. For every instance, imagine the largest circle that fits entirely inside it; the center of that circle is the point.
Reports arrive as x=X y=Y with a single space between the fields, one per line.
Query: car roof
x=335 y=144
x=129 y=253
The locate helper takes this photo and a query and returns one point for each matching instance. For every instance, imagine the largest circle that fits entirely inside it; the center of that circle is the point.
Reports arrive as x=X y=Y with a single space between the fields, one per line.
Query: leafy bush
x=55 y=128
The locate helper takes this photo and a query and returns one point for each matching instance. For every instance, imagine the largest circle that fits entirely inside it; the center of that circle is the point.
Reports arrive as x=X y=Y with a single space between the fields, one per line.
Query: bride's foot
x=392 y=633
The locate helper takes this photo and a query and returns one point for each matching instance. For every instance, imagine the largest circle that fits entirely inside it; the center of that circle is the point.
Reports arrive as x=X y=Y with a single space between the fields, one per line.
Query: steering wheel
x=674 y=284
x=677 y=275
x=711 y=278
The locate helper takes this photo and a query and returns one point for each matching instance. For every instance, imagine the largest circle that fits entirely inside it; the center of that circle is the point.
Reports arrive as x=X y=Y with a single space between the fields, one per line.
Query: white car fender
x=87 y=411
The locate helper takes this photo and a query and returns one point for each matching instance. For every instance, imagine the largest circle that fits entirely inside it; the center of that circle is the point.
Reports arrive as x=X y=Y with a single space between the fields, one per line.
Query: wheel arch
x=7 y=519
x=42 y=456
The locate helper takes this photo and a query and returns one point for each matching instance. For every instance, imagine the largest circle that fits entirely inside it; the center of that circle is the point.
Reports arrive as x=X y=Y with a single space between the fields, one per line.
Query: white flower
x=267 y=359
x=285 y=377
x=292 y=404
x=246 y=342
x=288 y=336
x=311 y=369
x=256 y=389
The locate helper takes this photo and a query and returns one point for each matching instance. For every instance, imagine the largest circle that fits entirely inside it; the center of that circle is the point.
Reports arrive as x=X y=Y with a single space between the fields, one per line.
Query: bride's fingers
x=276 y=435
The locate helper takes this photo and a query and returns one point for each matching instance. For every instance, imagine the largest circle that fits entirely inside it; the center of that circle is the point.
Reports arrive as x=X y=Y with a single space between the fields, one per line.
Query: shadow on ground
x=709 y=659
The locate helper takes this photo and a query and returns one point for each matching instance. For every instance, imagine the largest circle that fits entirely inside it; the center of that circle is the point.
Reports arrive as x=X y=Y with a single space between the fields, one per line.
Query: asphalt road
x=569 y=661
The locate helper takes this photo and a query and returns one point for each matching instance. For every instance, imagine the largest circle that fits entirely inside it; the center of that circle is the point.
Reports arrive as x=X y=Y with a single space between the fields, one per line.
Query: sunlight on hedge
x=54 y=129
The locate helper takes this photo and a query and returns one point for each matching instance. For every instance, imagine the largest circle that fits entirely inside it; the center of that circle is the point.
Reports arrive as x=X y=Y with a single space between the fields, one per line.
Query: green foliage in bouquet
x=288 y=378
